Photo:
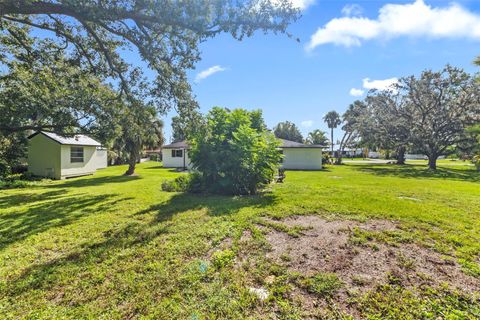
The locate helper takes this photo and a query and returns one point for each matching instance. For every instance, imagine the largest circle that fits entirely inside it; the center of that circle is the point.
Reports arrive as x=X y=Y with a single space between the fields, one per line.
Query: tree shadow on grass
x=420 y=172
x=40 y=212
x=93 y=181
x=216 y=205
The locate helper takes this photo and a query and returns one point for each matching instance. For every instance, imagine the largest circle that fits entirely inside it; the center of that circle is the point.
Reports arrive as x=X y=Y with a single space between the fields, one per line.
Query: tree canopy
x=165 y=34
x=440 y=106
x=288 y=131
x=429 y=113
x=317 y=137
x=235 y=153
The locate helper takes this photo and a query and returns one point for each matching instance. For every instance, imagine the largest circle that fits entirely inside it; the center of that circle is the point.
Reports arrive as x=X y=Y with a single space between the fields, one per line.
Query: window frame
x=177 y=153
x=77 y=154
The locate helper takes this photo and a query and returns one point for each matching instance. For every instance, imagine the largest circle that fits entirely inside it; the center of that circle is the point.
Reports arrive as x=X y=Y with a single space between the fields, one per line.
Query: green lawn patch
x=116 y=247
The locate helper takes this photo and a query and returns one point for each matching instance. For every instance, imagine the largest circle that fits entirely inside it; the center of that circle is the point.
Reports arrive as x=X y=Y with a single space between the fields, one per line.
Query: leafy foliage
x=317 y=137
x=235 y=153
x=288 y=131
x=165 y=33
x=429 y=113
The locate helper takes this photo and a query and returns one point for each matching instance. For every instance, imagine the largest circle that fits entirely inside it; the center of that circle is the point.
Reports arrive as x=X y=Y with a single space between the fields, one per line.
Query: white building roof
x=78 y=139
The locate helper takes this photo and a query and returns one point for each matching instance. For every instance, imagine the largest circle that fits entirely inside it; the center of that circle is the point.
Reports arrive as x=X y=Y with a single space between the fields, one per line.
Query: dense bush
x=476 y=162
x=191 y=182
x=234 y=152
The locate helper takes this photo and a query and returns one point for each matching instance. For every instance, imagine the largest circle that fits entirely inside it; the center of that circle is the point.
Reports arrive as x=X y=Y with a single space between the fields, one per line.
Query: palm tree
x=332 y=119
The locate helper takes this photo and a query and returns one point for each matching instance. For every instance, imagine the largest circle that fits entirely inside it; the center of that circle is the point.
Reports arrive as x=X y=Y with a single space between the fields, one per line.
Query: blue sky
x=301 y=81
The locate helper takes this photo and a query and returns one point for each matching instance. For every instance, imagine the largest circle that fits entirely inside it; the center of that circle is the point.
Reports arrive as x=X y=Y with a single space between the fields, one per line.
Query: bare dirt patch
x=324 y=246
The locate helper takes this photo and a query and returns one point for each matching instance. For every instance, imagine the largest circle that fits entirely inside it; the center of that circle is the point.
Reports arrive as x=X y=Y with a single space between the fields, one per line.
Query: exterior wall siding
x=44 y=157
x=88 y=166
x=174 y=162
x=302 y=158
x=101 y=158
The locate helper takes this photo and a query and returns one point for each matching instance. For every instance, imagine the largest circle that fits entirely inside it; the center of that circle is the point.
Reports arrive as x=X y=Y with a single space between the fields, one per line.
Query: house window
x=178 y=153
x=76 y=154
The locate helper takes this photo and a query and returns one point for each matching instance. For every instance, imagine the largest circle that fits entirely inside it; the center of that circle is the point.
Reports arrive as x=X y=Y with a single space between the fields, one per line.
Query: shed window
x=178 y=153
x=76 y=154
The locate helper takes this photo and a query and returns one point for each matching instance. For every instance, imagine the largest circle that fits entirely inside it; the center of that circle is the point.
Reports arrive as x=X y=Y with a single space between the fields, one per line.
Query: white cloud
x=208 y=72
x=416 y=19
x=307 y=123
x=351 y=10
x=356 y=92
x=379 y=84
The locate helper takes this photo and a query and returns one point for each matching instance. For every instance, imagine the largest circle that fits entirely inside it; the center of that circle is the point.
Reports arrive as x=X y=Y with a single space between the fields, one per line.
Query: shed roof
x=293 y=144
x=77 y=140
x=283 y=144
x=177 y=145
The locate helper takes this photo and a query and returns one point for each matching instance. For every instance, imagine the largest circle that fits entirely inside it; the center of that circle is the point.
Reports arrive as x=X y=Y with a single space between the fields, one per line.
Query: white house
x=175 y=155
x=296 y=156
x=57 y=157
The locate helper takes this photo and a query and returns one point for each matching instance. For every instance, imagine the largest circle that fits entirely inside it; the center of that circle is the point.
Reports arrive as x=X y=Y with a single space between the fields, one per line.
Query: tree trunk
x=432 y=161
x=331 y=140
x=132 y=161
x=401 y=155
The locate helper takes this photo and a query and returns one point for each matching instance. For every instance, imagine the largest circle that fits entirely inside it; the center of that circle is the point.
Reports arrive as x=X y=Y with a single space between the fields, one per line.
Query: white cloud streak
x=208 y=72
x=416 y=19
x=307 y=123
x=356 y=92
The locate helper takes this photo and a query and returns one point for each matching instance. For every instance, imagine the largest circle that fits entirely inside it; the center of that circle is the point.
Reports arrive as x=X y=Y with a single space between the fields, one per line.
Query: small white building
x=300 y=156
x=175 y=155
x=57 y=157
x=296 y=156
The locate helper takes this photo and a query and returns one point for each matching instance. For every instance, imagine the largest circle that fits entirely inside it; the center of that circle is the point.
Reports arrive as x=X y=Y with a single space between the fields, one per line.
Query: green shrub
x=235 y=152
x=476 y=162
x=323 y=284
x=191 y=182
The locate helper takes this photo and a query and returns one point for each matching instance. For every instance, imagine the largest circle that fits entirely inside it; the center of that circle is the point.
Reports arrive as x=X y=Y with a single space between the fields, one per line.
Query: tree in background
x=317 y=137
x=351 y=120
x=140 y=129
x=288 y=131
x=439 y=107
x=332 y=119
x=188 y=121
x=235 y=153
x=166 y=35
x=384 y=123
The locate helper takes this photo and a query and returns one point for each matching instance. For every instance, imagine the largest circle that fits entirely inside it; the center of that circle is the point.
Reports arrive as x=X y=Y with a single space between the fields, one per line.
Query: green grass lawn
x=109 y=246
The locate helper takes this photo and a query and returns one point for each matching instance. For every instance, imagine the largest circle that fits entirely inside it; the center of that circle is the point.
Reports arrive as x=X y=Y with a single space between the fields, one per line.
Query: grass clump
x=223 y=258
x=322 y=284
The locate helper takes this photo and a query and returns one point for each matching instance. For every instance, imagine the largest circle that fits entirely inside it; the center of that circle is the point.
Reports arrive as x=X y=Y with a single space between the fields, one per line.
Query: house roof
x=293 y=144
x=77 y=140
x=283 y=144
x=177 y=145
